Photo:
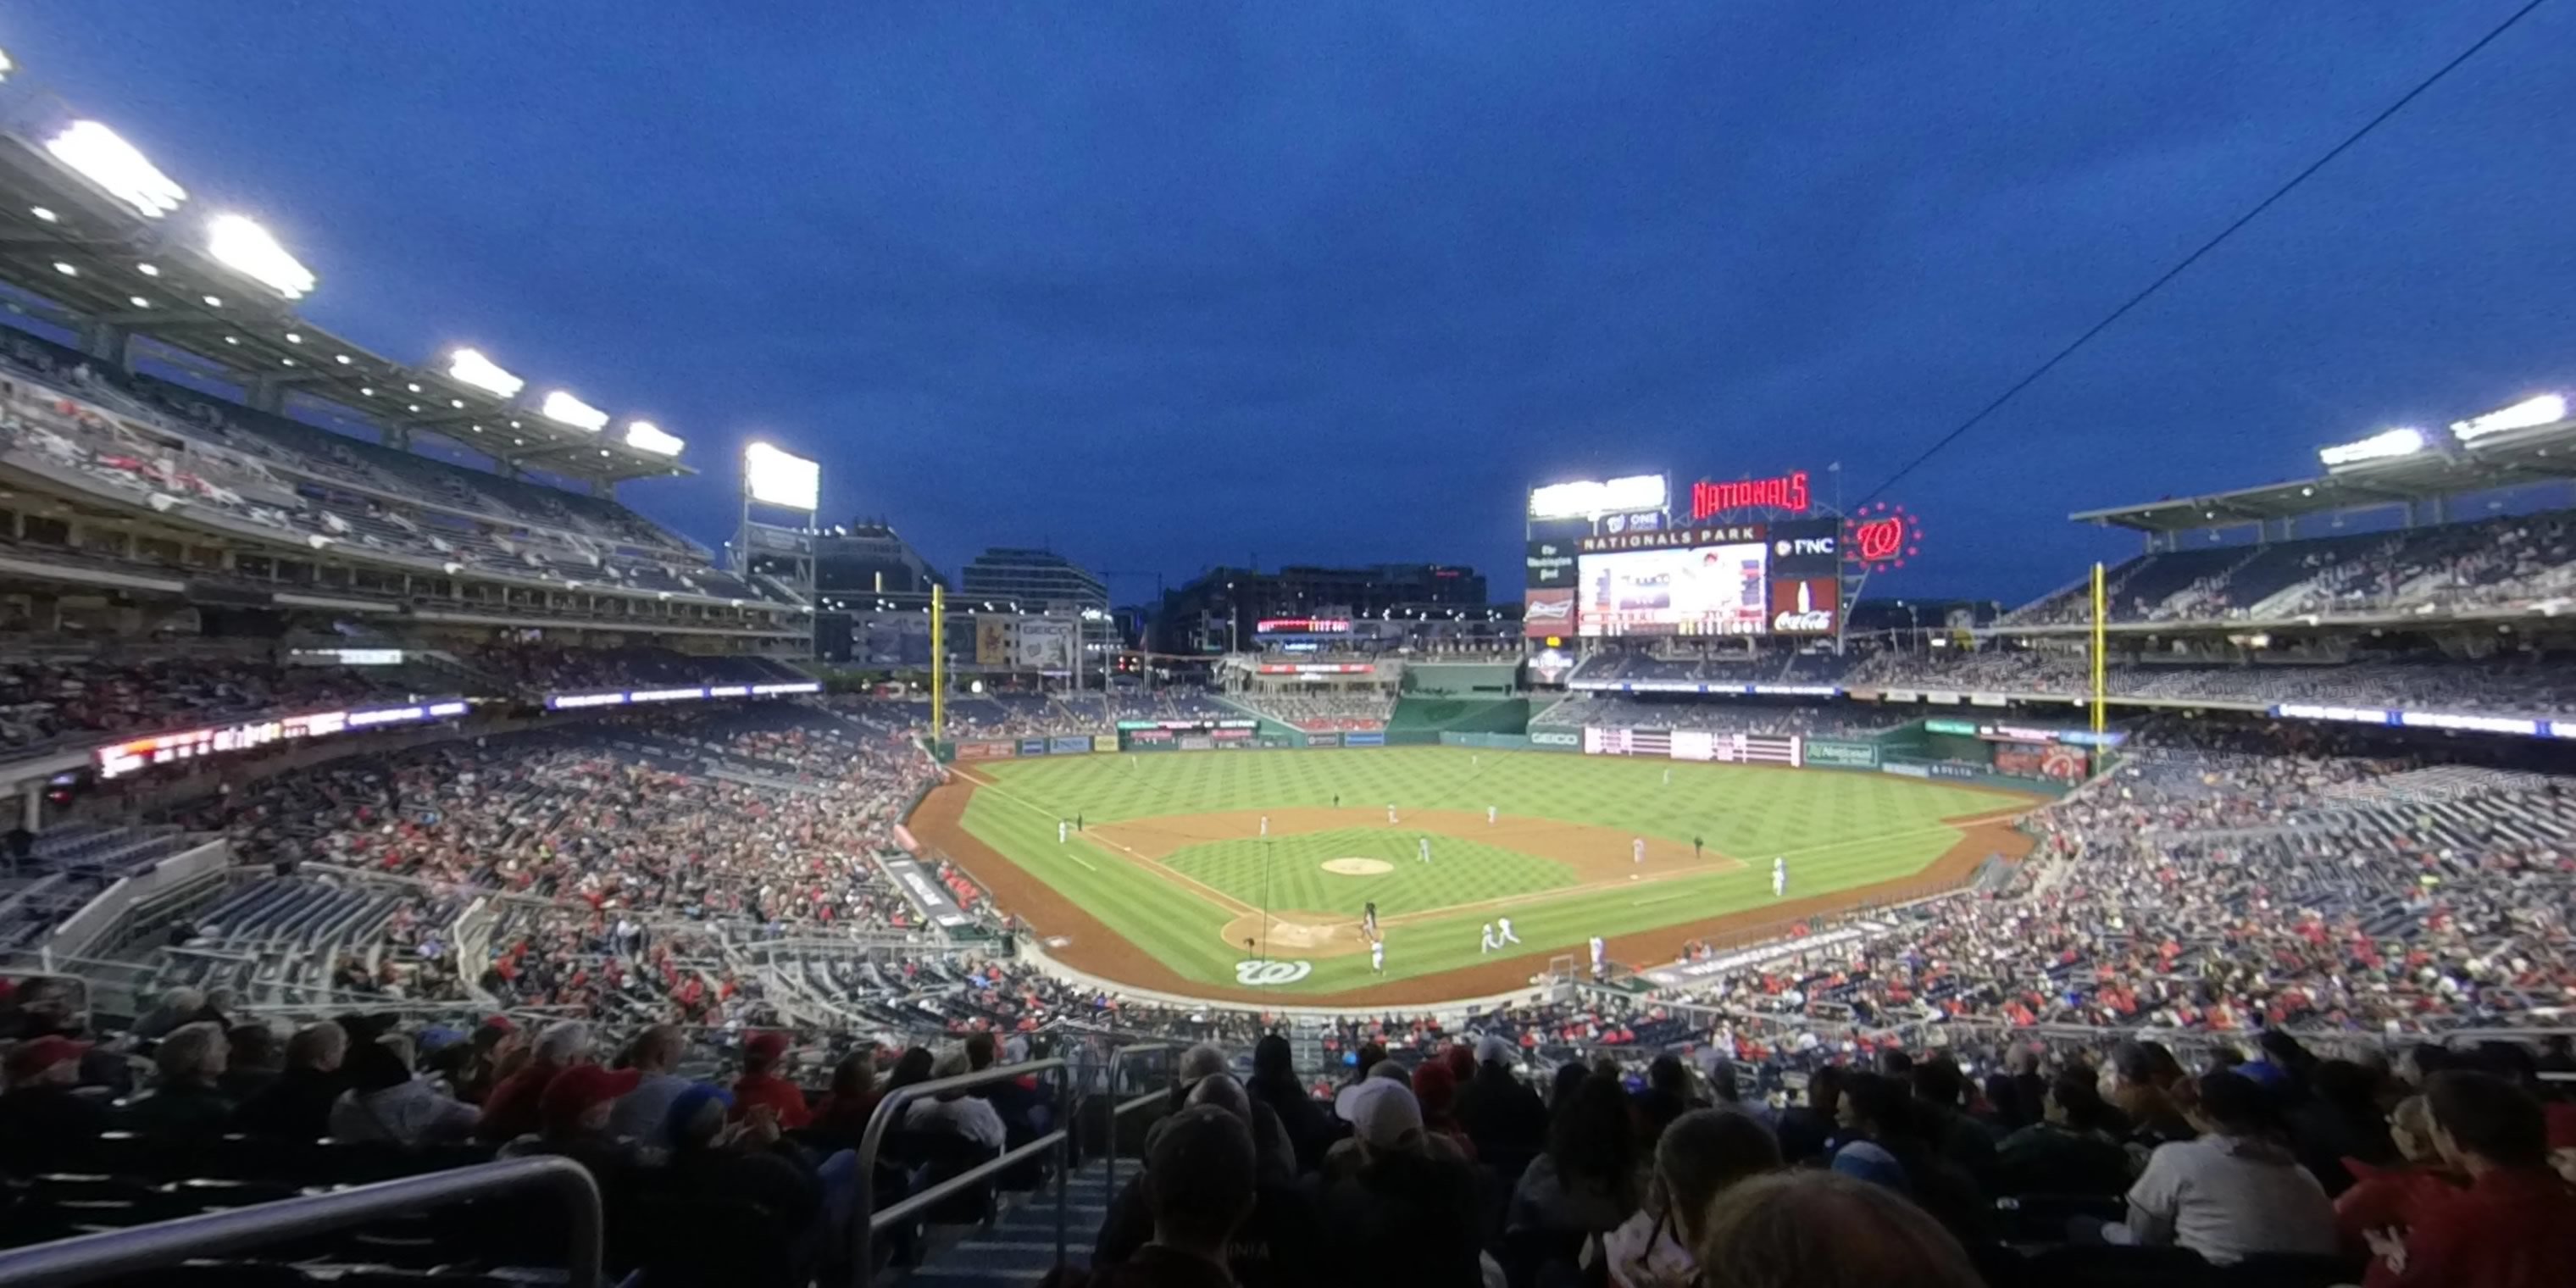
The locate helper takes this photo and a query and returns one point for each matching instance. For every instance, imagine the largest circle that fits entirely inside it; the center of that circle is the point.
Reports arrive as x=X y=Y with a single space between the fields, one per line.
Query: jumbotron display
x=1706 y=581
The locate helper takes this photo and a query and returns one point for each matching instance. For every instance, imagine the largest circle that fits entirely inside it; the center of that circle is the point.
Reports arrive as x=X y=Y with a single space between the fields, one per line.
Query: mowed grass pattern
x=1293 y=877
x=1839 y=830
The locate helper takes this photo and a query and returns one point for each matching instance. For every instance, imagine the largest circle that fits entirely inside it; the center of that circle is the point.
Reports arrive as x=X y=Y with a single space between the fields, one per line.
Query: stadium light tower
x=564 y=409
x=776 y=480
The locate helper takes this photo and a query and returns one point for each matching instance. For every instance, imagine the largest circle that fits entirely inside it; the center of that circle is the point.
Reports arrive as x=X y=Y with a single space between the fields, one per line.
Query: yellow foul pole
x=2101 y=661
x=939 y=662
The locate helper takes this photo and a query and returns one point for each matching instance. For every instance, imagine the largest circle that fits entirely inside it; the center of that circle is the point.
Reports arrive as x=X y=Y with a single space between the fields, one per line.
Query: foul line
x=1205 y=891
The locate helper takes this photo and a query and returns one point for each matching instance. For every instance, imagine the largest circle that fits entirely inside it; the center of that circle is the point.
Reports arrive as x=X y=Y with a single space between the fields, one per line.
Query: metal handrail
x=93 y=1257
x=864 y=1226
x=1120 y=1109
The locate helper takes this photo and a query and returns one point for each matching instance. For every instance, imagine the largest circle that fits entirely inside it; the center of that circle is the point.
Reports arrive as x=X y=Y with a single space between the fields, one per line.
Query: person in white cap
x=1398 y=1198
x=1503 y=933
x=1489 y=937
x=1377 y=955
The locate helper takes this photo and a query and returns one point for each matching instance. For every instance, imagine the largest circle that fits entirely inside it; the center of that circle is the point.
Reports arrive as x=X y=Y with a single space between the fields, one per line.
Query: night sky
x=1335 y=282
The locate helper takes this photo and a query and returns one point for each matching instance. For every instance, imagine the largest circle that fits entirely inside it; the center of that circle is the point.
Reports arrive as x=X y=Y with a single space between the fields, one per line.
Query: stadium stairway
x=1018 y=1247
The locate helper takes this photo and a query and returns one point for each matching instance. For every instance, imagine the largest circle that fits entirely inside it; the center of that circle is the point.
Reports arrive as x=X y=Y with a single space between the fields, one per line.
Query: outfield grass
x=1839 y=830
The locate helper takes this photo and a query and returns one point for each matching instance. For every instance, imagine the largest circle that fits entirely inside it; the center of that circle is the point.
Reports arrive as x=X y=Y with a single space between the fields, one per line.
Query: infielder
x=1422 y=849
x=1390 y=813
x=1265 y=825
x=1490 y=942
x=1779 y=876
x=1504 y=936
x=1637 y=850
x=1489 y=816
x=1377 y=956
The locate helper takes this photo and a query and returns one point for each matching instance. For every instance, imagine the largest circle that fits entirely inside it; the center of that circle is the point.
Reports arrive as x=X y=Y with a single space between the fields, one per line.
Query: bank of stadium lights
x=100 y=155
x=2547 y=409
x=238 y=242
x=6 y=66
x=1588 y=498
x=645 y=436
x=45 y=213
x=564 y=409
x=2382 y=446
x=470 y=367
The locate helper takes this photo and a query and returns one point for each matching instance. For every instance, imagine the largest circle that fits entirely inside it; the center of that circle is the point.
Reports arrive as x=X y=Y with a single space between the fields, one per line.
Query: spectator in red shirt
x=2515 y=1225
x=760 y=1084
x=512 y=1110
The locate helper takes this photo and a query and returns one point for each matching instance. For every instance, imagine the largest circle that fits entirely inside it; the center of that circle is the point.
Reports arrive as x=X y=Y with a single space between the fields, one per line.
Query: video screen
x=1692 y=590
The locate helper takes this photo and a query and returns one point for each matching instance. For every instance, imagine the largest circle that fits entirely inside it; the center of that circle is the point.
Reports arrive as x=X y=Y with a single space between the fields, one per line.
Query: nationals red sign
x=1787 y=492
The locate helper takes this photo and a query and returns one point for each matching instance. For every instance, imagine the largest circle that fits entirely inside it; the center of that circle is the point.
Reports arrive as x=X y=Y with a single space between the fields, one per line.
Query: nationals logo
x=1882 y=536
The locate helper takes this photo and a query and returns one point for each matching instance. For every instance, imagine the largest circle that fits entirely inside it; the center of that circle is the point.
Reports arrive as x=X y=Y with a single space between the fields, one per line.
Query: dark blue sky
x=1334 y=282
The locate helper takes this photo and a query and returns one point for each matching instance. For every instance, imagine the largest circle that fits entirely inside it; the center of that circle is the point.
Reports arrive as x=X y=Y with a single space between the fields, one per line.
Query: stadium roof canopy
x=86 y=256
x=2446 y=465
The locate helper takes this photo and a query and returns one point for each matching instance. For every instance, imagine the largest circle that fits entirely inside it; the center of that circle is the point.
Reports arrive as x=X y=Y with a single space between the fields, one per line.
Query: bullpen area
x=1248 y=875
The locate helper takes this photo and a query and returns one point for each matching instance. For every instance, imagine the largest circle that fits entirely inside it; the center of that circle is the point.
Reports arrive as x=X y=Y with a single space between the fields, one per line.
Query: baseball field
x=1248 y=875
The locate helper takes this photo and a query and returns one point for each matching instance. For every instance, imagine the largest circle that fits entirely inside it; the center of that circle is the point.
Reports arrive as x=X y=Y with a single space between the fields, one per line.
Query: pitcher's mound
x=1358 y=867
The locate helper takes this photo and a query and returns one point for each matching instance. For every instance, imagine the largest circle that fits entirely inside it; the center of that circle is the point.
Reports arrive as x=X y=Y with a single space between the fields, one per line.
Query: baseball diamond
x=1189 y=865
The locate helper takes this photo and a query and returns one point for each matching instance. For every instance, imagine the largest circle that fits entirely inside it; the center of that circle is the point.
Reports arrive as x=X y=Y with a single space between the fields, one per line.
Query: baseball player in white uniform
x=1779 y=876
x=1489 y=816
x=1637 y=850
x=1490 y=942
x=1061 y=828
x=1377 y=956
x=1504 y=935
x=1265 y=825
x=1422 y=849
x=1390 y=813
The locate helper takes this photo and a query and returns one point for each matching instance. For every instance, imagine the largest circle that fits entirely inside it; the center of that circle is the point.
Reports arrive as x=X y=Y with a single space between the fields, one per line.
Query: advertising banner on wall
x=1807 y=548
x=1551 y=564
x=1075 y=745
x=1548 y=614
x=1364 y=740
x=1195 y=742
x=1033 y=746
x=1045 y=645
x=1323 y=740
x=1104 y=742
x=985 y=751
x=1847 y=755
x=1806 y=606
x=1734 y=748
x=1150 y=739
x=1555 y=738
x=992 y=642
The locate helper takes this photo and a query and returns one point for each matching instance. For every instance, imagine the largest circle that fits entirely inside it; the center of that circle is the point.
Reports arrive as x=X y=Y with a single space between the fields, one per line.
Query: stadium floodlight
x=2381 y=446
x=470 y=367
x=101 y=156
x=564 y=409
x=1589 y=497
x=2547 y=409
x=645 y=436
x=238 y=242
x=773 y=477
x=6 y=66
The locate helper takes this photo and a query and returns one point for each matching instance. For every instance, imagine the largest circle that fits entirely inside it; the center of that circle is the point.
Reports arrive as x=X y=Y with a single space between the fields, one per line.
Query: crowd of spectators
x=2524 y=684
x=163 y=447
x=2515 y=562
x=42 y=700
x=1323 y=712
x=1647 y=711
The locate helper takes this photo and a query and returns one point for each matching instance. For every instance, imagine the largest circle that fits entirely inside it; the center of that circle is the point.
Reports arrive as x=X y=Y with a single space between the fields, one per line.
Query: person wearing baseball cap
x=572 y=1117
x=44 y=1122
x=762 y=1055
x=1393 y=1204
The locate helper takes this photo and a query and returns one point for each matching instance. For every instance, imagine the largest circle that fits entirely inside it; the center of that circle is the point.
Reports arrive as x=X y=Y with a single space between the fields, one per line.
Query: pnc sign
x=1786 y=492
